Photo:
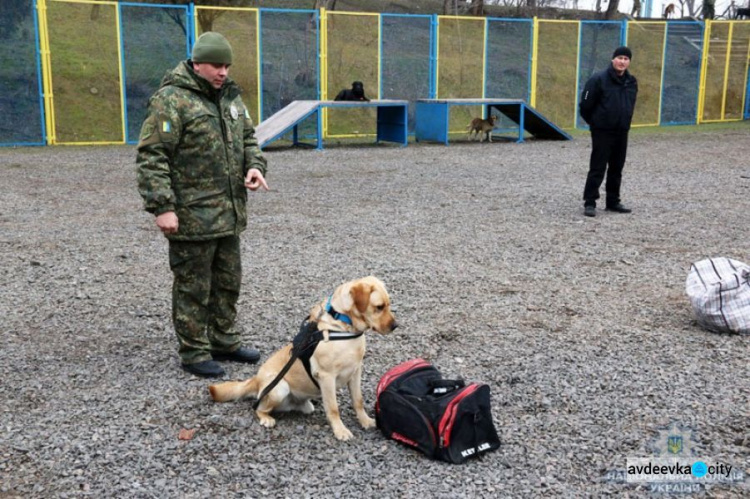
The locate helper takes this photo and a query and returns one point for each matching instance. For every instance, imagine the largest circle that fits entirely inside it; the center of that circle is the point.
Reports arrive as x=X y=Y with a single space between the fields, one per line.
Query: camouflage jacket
x=196 y=146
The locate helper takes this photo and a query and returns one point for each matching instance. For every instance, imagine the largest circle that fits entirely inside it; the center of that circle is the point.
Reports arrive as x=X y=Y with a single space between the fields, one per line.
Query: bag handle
x=443 y=386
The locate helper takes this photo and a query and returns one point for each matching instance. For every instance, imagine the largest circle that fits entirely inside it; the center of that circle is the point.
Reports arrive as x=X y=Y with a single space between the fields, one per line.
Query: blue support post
x=123 y=86
x=380 y=52
x=43 y=116
x=317 y=44
x=320 y=129
x=433 y=57
x=531 y=62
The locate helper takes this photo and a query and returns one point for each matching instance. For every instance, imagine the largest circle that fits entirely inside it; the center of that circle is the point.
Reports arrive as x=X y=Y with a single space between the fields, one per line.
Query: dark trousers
x=607 y=148
x=207 y=278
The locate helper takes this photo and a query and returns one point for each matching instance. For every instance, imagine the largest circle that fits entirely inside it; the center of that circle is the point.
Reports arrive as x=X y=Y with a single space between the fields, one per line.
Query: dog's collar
x=337 y=315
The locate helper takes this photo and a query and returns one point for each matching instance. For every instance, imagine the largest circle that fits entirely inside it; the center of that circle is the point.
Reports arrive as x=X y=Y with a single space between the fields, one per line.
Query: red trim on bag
x=401 y=438
x=397 y=371
x=445 y=427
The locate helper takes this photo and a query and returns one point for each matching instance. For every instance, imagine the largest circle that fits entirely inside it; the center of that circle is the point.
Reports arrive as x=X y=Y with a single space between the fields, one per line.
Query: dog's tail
x=234 y=390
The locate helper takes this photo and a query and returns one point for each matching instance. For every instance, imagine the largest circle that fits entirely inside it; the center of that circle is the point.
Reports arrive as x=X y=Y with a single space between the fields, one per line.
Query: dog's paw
x=307 y=407
x=343 y=433
x=267 y=421
x=366 y=421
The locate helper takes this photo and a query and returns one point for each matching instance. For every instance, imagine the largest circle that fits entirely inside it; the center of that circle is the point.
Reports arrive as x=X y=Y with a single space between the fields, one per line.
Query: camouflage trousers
x=207 y=278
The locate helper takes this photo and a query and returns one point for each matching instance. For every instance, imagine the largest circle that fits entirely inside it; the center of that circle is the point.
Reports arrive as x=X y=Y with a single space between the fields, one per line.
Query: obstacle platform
x=433 y=117
x=392 y=120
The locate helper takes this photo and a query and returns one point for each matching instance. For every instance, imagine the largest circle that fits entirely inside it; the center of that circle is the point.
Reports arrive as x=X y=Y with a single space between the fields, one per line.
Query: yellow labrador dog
x=353 y=308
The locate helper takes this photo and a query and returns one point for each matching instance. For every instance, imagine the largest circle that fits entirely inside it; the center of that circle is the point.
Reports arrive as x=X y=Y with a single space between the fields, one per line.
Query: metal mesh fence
x=290 y=58
x=646 y=40
x=405 y=59
x=682 y=65
x=85 y=74
x=508 y=68
x=557 y=55
x=509 y=44
x=716 y=59
x=20 y=78
x=97 y=58
x=598 y=41
x=737 y=75
x=240 y=28
x=460 y=66
x=353 y=51
x=154 y=39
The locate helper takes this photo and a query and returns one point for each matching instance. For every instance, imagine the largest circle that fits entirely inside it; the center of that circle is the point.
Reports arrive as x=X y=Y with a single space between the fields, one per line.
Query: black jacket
x=608 y=100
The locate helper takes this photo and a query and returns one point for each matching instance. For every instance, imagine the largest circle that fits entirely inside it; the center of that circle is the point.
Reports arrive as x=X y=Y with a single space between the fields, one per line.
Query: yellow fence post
x=324 y=68
x=704 y=70
x=726 y=72
x=46 y=72
x=663 y=71
x=534 y=61
x=258 y=64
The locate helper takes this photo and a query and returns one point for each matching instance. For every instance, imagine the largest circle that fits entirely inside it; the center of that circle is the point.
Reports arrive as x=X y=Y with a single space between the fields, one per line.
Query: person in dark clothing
x=607 y=105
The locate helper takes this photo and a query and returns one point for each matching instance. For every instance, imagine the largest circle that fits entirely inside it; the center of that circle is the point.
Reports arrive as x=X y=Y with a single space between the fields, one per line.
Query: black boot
x=242 y=354
x=205 y=369
x=619 y=208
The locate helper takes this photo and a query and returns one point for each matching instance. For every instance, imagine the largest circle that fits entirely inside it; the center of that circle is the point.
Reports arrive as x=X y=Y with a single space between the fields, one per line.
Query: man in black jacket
x=607 y=105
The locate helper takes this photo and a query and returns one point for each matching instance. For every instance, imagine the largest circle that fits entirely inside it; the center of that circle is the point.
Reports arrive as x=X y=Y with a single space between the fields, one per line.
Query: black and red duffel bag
x=445 y=419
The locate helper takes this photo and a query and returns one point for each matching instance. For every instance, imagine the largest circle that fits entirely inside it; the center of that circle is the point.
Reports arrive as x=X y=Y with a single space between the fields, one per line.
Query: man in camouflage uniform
x=196 y=156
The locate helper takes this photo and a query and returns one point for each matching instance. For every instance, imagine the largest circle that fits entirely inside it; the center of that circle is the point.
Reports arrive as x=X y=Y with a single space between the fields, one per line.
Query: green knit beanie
x=212 y=47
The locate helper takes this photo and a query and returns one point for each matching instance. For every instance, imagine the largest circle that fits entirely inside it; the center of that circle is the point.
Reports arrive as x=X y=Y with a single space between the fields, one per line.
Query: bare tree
x=324 y=4
x=691 y=7
x=612 y=9
x=477 y=8
x=206 y=17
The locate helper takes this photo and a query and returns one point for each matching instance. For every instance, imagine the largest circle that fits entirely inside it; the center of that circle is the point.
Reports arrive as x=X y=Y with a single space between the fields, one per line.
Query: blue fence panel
x=289 y=51
x=405 y=59
x=21 y=104
x=682 y=69
x=155 y=40
x=598 y=40
x=509 y=47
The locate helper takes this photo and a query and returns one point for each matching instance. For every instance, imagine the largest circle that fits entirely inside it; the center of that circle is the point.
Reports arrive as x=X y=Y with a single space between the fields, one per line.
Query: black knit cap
x=622 y=51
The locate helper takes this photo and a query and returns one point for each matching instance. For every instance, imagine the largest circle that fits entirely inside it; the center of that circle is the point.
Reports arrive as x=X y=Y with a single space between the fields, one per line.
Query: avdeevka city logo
x=677 y=465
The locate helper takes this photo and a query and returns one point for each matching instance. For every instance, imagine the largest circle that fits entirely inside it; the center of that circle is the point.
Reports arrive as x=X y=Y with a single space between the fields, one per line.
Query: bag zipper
x=445 y=427
x=396 y=372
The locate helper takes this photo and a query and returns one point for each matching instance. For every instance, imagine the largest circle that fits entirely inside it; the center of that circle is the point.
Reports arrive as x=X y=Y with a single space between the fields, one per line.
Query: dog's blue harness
x=305 y=343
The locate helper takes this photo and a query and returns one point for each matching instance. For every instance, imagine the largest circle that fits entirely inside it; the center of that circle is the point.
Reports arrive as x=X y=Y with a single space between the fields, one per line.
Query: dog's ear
x=360 y=293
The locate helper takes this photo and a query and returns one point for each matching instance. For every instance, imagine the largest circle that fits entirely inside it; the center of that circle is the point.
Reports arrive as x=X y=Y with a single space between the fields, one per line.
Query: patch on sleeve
x=166 y=129
x=148 y=133
x=247 y=114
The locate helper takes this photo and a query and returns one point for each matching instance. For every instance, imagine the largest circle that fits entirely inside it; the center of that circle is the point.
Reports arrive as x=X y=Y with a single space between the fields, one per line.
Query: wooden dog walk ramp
x=392 y=120
x=283 y=121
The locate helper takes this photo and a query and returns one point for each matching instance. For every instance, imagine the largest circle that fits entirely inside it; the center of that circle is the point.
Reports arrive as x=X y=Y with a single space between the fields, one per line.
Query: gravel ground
x=580 y=326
